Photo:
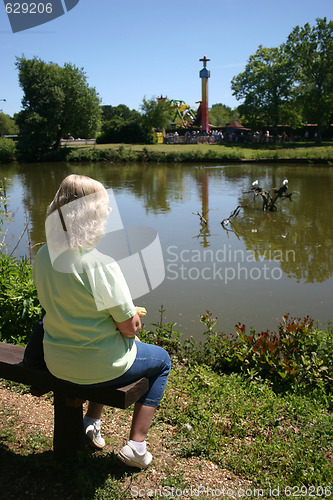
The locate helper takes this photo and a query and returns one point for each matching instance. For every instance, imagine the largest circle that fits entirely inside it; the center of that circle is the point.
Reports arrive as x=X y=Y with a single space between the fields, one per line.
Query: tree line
x=290 y=84
x=287 y=85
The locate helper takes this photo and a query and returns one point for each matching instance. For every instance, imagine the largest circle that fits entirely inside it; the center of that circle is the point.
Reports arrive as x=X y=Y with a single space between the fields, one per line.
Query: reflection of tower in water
x=205 y=196
x=203 y=184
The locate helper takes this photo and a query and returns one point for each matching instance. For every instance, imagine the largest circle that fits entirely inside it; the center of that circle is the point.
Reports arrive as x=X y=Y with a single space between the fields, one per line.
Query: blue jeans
x=152 y=362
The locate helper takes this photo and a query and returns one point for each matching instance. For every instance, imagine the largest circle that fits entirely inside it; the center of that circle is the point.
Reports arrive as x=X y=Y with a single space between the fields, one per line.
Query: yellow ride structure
x=184 y=114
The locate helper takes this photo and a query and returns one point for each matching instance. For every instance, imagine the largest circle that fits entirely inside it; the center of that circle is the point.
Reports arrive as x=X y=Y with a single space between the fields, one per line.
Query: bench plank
x=11 y=354
x=68 y=435
x=10 y=369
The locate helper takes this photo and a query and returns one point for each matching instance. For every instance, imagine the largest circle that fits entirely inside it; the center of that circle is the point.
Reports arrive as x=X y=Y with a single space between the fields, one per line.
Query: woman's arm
x=129 y=327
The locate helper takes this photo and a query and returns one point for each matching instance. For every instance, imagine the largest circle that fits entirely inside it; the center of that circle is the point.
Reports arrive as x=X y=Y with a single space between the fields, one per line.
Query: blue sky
x=135 y=48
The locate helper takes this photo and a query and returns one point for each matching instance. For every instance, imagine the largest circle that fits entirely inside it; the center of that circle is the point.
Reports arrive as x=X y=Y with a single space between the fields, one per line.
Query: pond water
x=269 y=265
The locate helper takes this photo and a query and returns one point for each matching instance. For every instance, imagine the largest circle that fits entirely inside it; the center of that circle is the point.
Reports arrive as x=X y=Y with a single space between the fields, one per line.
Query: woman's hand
x=129 y=327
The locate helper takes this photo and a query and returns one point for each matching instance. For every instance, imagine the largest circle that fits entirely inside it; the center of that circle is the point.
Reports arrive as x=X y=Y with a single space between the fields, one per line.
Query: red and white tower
x=204 y=75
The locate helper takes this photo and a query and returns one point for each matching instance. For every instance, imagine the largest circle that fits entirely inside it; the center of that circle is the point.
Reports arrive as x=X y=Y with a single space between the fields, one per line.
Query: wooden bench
x=68 y=435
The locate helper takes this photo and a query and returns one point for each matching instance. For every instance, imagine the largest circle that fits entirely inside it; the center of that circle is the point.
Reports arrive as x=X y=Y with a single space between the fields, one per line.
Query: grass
x=202 y=152
x=272 y=441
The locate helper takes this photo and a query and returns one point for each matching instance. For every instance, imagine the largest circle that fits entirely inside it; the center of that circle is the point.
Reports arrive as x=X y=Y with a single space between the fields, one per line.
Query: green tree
x=57 y=102
x=7 y=125
x=220 y=115
x=109 y=112
x=310 y=51
x=266 y=88
x=121 y=124
x=156 y=113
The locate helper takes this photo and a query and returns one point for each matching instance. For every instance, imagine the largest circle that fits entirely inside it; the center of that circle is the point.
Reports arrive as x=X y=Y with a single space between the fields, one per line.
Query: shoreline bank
x=204 y=153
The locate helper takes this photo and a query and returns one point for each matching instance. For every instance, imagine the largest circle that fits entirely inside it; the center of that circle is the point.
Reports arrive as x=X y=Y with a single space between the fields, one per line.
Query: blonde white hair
x=77 y=215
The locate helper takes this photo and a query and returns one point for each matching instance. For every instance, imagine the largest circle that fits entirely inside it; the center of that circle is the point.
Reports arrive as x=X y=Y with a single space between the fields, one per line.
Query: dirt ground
x=25 y=414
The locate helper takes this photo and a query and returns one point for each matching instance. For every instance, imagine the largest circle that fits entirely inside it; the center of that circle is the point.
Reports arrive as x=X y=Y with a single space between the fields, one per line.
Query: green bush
x=19 y=305
x=296 y=355
x=78 y=155
x=7 y=150
x=126 y=126
x=109 y=154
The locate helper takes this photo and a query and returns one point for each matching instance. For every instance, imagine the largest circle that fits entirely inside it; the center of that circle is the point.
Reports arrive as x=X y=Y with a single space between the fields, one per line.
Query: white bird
x=255 y=183
x=285 y=182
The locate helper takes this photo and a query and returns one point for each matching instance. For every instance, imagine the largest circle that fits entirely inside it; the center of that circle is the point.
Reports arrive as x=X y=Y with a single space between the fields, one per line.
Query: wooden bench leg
x=68 y=436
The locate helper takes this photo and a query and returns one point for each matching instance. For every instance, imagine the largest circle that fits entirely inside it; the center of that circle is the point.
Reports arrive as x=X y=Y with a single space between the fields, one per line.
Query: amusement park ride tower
x=204 y=75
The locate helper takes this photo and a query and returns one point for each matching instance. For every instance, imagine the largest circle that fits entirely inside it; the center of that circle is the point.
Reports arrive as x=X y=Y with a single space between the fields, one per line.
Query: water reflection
x=297 y=238
x=299 y=235
x=202 y=179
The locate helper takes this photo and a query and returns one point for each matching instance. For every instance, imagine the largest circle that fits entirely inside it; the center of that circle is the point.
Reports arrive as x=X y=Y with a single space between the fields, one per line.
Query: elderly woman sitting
x=90 y=320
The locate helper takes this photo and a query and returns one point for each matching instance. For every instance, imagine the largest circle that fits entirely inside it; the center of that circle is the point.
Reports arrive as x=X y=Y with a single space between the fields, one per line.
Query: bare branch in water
x=202 y=216
x=227 y=220
x=269 y=200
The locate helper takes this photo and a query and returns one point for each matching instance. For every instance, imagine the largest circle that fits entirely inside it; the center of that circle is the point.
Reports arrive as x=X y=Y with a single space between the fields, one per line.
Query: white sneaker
x=94 y=437
x=132 y=458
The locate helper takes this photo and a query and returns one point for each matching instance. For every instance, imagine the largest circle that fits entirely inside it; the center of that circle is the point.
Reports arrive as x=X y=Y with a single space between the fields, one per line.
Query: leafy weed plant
x=297 y=355
x=19 y=305
x=164 y=335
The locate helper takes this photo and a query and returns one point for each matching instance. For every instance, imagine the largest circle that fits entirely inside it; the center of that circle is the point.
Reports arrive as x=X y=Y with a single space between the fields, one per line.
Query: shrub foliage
x=7 y=150
x=297 y=356
x=19 y=305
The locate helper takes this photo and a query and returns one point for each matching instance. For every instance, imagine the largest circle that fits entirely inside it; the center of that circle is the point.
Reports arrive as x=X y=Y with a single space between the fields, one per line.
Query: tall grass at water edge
x=198 y=153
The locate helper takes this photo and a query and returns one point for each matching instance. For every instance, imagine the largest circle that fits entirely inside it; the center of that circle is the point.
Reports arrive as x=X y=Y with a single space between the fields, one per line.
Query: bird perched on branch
x=255 y=183
x=285 y=182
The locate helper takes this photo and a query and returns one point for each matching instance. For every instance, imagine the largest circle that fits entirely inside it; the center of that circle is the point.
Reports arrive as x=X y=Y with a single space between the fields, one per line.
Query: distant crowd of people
x=235 y=136
x=194 y=137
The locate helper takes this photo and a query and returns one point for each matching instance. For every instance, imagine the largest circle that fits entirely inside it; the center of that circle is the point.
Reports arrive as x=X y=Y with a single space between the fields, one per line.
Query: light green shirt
x=81 y=342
